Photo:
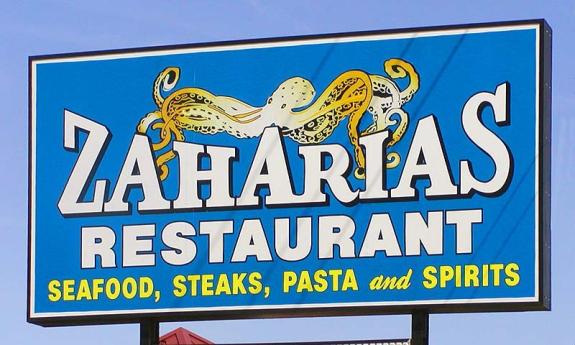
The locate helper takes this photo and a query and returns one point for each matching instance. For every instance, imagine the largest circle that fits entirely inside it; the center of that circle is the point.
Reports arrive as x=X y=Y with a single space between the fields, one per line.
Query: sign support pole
x=420 y=328
x=149 y=332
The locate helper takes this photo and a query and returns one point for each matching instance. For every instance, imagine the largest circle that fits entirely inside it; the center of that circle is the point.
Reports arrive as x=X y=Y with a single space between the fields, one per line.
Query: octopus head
x=293 y=93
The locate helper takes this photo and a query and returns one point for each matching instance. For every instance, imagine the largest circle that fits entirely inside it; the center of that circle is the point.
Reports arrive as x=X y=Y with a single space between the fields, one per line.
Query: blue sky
x=46 y=27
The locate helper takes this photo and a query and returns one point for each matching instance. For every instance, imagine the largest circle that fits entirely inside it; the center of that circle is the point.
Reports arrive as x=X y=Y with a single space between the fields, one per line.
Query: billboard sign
x=376 y=172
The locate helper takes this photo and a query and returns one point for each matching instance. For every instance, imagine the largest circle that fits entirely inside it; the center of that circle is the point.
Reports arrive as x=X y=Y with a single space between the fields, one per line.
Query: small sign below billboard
x=378 y=172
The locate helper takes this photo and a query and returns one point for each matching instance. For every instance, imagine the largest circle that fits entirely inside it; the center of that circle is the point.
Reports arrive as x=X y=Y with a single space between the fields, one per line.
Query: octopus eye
x=169 y=81
x=270 y=100
x=283 y=105
x=171 y=77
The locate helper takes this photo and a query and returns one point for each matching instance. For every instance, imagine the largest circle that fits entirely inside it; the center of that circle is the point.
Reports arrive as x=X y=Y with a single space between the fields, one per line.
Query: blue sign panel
x=347 y=174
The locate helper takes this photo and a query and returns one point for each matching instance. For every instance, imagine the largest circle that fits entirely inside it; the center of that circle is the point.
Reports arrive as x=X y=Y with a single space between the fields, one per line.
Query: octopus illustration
x=291 y=107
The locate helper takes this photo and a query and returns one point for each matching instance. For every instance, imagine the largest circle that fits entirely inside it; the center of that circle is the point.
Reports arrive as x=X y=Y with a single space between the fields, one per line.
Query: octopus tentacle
x=161 y=163
x=388 y=100
x=147 y=120
x=397 y=134
x=166 y=80
x=392 y=160
x=397 y=68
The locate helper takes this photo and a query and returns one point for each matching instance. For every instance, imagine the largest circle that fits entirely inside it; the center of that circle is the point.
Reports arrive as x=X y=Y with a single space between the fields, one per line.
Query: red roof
x=181 y=336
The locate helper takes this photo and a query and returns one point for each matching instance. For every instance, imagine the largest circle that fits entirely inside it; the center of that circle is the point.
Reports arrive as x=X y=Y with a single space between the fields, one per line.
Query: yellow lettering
x=458 y=276
x=129 y=288
x=304 y=282
x=335 y=274
x=485 y=279
x=405 y=281
x=349 y=281
x=446 y=274
x=146 y=287
x=238 y=283
x=471 y=276
x=255 y=283
x=512 y=272
x=97 y=288
x=320 y=281
x=54 y=293
x=68 y=290
x=83 y=291
x=429 y=273
x=290 y=278
x=113 y=288
x=193 y=279
x=223 y=285
x=207 y=284
x=496 y=273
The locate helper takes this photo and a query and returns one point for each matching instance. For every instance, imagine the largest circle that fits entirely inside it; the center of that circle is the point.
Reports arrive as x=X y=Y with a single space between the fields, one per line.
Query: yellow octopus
x=351 y=94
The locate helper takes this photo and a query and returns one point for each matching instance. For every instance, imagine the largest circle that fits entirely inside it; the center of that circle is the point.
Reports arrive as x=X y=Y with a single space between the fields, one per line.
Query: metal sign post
x=149 y=332
x=420 y=328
